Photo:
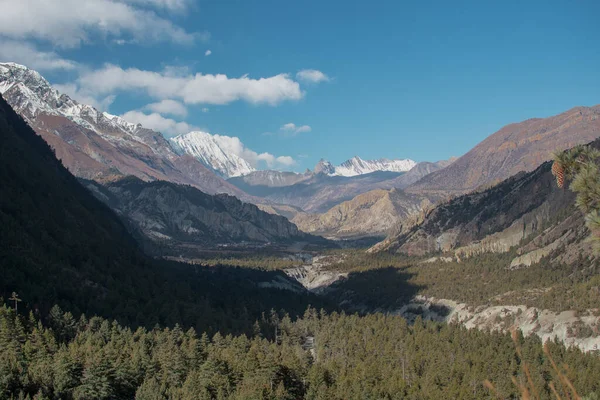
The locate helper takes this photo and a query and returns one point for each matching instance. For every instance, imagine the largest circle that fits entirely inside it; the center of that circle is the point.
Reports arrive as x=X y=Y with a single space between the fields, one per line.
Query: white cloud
x=192 y=89
x=172 y=5
x=207 y=53
x=286 y=161
x=85 y=98
x=155 y=121
x=292 y=129
x=74 y=22
x=168 y=106
x=312 y=76
x=27 y=54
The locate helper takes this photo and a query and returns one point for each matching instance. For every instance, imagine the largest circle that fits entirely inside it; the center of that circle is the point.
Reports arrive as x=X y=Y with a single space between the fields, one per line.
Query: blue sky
x=422 y=80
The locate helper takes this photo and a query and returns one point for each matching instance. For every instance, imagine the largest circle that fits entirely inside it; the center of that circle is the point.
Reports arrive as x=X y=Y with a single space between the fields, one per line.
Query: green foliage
x=387 y=281
x=579 y=164
x=319 y=356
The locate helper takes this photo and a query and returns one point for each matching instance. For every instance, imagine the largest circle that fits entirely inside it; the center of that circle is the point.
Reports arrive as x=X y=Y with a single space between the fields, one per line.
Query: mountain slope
x=516 y=147
x=176 y=216
x=97 y=145
x=60 y=245
x=419 y=171
x=211 y=150
x=527 y=210
x=268 y=178
x=368 y=214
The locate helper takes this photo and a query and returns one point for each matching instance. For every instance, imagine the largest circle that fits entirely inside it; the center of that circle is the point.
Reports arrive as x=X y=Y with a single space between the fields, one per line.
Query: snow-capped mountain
x=97 y=145
x=32 y=95
x=212 y=151
x=324 y=167
x=357 y=166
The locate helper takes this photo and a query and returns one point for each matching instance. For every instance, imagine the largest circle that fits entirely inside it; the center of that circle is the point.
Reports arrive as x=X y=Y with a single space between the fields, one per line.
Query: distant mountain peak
x=357 y=166
x=324 y=167
x=211 y=151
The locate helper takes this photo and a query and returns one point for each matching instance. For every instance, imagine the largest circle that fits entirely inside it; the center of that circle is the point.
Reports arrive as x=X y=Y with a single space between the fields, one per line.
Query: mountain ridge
x=101 y=146
x=520 y=146
x=178 y=218
x=358 y=166
x=495 y=220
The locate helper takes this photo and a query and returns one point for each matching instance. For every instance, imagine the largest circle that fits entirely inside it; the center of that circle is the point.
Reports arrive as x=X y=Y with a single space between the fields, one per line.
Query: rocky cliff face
x=372 y=213
x=169 y=214
x=516 y=147
x=546 y=324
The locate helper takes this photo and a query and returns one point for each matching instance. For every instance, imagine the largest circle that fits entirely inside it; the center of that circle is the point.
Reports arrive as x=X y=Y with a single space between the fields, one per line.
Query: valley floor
x=480 y=293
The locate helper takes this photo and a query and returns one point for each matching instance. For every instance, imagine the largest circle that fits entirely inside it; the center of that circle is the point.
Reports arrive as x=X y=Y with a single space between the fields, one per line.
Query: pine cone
x=559 y=172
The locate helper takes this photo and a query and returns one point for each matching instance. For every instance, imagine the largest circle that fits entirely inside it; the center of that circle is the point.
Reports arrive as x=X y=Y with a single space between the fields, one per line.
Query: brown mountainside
x=369 y=214
x=100 y=146
x=516 y=147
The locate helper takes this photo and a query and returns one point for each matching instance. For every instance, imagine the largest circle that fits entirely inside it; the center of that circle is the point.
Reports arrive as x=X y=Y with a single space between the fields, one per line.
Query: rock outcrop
x=571 y=328
x=373 y=213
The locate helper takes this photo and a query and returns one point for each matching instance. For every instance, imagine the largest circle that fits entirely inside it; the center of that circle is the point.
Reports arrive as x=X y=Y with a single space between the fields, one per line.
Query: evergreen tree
x=579 y=165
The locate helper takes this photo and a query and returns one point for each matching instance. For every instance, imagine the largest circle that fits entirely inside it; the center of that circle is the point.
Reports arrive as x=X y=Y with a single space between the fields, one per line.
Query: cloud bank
x=75 y=22
x=191 y=88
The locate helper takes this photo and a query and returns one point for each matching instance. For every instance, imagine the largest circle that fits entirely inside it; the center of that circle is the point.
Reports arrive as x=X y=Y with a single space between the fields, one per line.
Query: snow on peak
x=31 y=94
x=324 y=167
x=214 y=151
x=122 y=123
x=357 y=166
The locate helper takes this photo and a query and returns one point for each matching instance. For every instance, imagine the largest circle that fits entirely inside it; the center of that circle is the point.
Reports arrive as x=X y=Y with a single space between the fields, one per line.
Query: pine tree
x=579 y=165
x=97 y=380
x=67 y=373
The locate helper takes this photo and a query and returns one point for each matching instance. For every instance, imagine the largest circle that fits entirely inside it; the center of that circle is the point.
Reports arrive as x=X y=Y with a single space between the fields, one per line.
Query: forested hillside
x=60 y=245
x=318 y=357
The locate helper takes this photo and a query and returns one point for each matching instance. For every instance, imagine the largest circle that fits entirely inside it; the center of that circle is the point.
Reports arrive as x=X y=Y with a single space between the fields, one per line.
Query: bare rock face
x=516 y=147
x=372 y=213
x=169 y=214
x=314 y=274
x=566 y=326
